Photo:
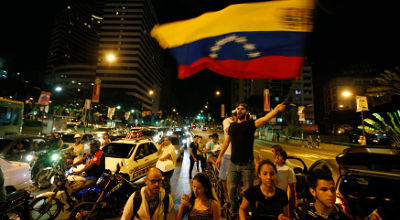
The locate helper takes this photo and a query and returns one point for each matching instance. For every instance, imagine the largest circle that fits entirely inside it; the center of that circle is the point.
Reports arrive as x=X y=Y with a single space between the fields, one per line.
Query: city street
x=180 y=179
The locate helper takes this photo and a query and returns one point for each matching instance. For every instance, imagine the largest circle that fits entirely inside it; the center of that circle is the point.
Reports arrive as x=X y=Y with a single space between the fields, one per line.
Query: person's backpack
x=137 y=201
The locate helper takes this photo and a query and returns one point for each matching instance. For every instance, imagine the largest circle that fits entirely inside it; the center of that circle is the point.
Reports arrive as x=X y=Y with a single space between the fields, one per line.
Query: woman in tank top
x=200 y=204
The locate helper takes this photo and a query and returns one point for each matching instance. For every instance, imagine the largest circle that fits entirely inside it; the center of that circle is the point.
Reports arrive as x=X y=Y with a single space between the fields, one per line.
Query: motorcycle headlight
x=54 y=157
x=29 y=157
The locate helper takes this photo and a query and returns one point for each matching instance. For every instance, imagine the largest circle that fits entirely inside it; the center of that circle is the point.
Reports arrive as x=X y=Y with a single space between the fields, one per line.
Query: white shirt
x=144 y=210
x=285 y=176
x=226 y=123
x=170 y=149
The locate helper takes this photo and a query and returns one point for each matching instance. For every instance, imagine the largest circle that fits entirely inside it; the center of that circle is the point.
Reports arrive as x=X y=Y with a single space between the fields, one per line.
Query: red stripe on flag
x=269 y=67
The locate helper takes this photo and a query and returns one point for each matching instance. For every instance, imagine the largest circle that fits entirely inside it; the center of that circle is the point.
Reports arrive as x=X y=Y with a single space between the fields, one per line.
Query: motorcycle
x=49 y=205
x=106 y=199
x=16 y=205
x=43 y=176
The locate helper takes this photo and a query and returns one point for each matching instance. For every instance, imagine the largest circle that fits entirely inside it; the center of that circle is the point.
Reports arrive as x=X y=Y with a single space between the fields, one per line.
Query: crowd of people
x=273 y=198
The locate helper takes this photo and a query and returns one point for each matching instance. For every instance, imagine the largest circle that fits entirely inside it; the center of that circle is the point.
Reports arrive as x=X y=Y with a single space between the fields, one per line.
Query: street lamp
x=348 y=94
x=218 y=93
x=111 y=57
x=58 y=89
x=151 y=92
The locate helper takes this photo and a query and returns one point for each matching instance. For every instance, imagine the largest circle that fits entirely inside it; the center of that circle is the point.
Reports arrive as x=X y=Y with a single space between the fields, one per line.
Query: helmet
x=77 y=136
x=95 y=143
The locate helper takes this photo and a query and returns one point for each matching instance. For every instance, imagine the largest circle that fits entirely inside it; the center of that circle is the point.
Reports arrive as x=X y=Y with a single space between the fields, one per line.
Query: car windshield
x=68 y=138
x=119 y=150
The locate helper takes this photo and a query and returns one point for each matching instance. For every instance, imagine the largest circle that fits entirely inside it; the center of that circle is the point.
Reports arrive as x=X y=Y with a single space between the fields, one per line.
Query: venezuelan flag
x=252 y=40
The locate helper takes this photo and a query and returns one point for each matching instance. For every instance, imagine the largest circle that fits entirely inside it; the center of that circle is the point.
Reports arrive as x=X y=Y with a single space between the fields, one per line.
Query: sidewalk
x=299 y=143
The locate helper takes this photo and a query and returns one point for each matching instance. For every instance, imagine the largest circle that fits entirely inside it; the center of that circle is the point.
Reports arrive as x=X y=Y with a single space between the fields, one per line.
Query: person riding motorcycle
x=76 y=150
x=94 y=167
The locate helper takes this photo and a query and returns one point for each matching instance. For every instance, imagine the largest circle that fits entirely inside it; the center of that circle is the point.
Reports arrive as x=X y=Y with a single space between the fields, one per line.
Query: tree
x=291 y=118
x=389 y=84
x=379 y=126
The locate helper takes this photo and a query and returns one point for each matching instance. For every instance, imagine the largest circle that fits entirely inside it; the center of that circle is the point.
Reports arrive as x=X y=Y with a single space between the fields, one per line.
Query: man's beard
x=241 y=117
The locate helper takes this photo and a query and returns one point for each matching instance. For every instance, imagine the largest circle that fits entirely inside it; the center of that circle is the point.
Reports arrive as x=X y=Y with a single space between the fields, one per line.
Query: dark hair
x=244 y=105
x=277 y=147
x=282 y=153
x=215 y=135
x=322 y=173
x=95 y=143
x=210 y=136
x=263 y=162
x=205 y=182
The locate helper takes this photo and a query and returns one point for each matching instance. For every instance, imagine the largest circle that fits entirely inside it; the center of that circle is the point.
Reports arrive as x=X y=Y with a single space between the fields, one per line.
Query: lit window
x=297 y=92
x=69 y=7
x=117 y=13
x=277 y=99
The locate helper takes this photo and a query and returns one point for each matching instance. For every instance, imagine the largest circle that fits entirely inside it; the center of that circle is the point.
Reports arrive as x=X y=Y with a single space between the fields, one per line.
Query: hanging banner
x=96 y=90
x=110 y=112
x=362 y=104
x=267 y=103
x=222 y=110
x=127 y=114
x=301 y=113
x=44 y=98
x=87 y=103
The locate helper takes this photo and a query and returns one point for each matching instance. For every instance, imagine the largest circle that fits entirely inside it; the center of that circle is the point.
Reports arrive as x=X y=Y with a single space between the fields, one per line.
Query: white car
x=17 y=174
x=135 y=156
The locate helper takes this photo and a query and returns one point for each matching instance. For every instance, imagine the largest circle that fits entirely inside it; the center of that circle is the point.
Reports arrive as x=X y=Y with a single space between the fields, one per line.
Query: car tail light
x=342 y=203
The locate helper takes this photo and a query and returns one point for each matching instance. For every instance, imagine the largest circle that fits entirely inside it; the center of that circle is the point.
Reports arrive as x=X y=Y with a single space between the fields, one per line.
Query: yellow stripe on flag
x=280 y=15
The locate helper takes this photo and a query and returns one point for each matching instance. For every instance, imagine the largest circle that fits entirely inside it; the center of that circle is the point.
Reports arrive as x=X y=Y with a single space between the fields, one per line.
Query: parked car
x=16 y=174
x=135 y=156
x=367 y=179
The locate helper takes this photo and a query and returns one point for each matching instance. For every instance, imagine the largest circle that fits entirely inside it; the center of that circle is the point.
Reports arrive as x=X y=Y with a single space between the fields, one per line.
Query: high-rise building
x=251 y=91
x=73 y=45
x=137 y=65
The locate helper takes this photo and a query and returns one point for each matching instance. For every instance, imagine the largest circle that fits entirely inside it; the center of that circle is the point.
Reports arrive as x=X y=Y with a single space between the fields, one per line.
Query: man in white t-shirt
x=226 y=158
x=167 y=161
x=286 y=177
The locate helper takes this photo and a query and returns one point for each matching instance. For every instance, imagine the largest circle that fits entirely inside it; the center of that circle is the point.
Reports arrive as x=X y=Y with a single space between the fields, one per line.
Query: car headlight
x=54 y=157
x=29 y=157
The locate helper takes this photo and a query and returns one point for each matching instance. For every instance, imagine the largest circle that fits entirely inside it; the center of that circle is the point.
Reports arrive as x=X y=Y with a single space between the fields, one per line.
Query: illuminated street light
x=174 y=110
x=111 y=57
x=118 y=107
x=217 y=93
x=206 y=106
x=151 y=92
x=58 y=89
x=346 y=93
x=201 y=111
x=133 y=111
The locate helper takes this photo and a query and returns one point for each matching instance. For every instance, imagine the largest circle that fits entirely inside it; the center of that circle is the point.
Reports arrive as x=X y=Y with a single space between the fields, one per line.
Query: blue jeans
x=239 y=173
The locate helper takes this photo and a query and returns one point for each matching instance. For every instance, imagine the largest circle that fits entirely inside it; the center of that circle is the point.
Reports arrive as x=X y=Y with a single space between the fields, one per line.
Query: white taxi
x=17 y=174
x=134 y=156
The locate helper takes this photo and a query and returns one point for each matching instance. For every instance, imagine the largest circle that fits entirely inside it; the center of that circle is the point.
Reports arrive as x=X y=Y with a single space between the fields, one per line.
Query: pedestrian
x=200 y=204
x=241 y=135
x=310 y=141
x=193 y=147
x=265 y=201
x=322 y=188
x=106 y=140
x=286 y=177
x=277 y=137
x=211 y=149
x=318 y=140
x=167 y=161
x=226 y=159
x=151 y=201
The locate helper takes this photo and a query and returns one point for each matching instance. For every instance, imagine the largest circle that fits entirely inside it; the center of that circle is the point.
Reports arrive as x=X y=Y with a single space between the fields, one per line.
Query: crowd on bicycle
x=273 y=198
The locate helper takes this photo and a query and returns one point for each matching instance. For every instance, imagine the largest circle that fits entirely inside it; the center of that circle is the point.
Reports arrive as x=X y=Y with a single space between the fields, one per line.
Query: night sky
x=346 y=32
